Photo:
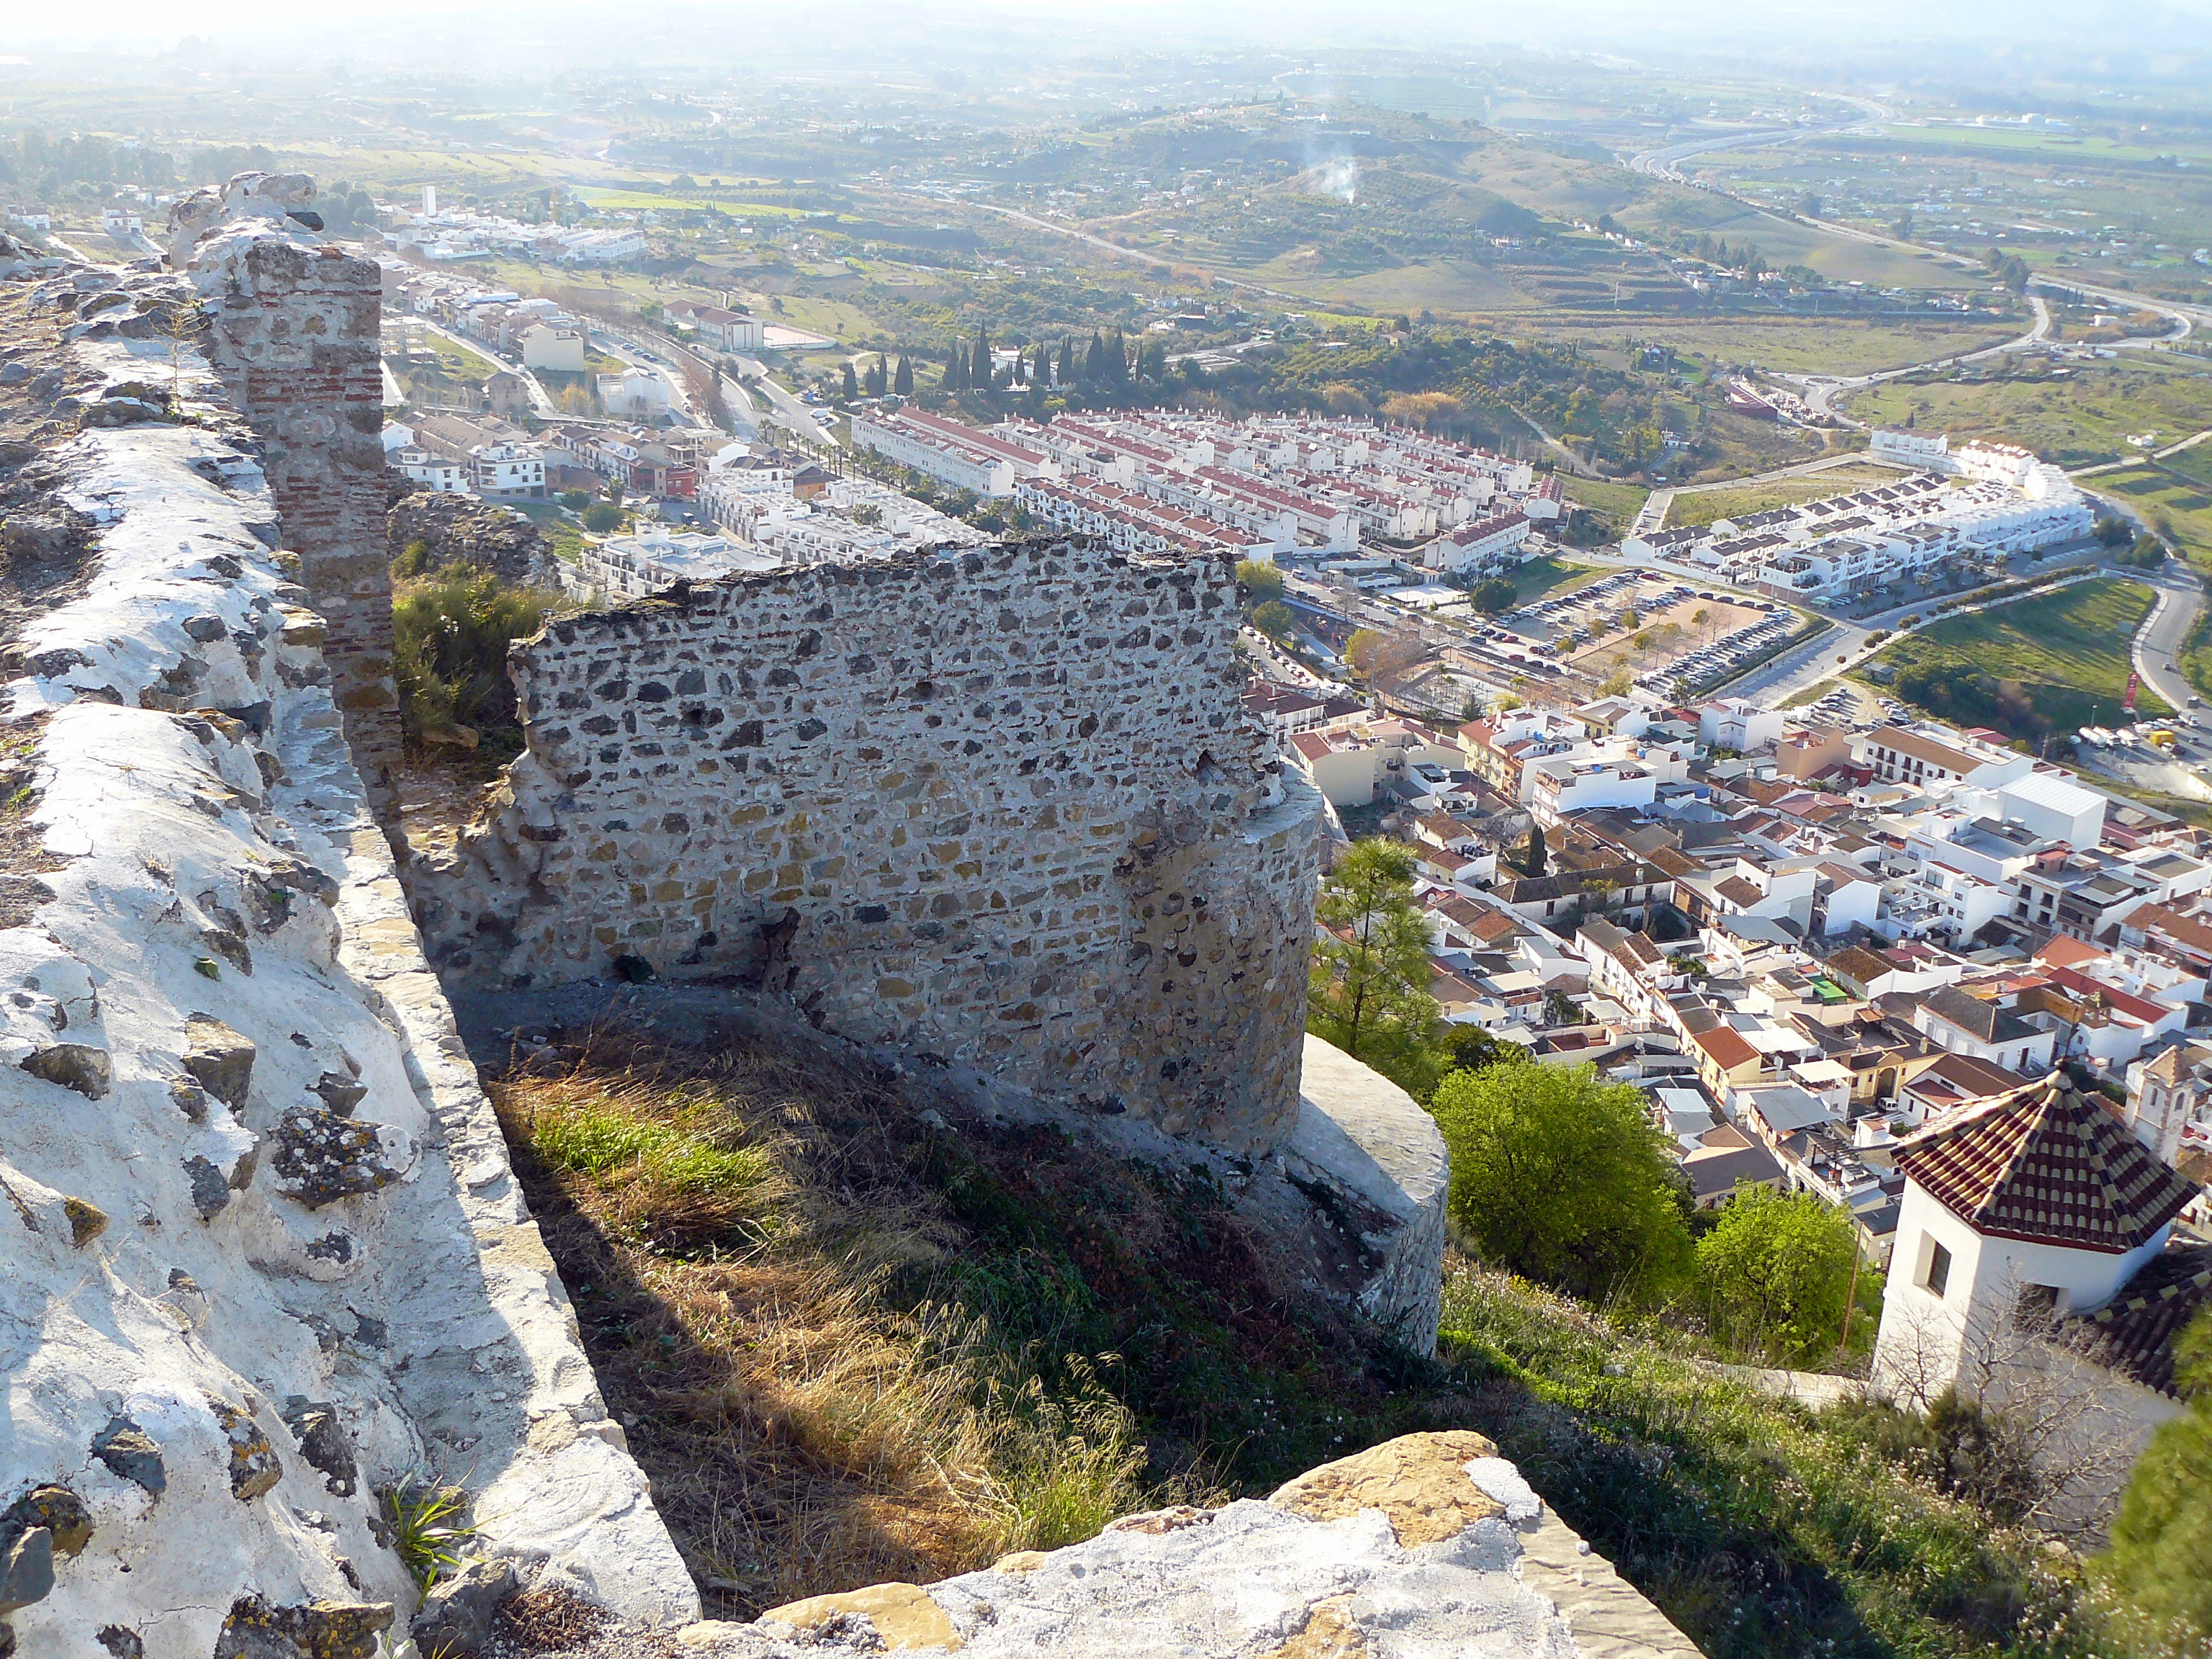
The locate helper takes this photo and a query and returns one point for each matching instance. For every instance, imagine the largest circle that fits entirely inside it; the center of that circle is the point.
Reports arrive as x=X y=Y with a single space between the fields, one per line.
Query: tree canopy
x=1368 y=991
x=1561 y=1177
x=2161 y=1562
x=1773 y=1272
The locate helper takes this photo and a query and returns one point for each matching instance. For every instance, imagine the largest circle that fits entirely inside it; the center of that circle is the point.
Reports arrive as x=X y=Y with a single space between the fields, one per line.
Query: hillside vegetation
x=852 y=1340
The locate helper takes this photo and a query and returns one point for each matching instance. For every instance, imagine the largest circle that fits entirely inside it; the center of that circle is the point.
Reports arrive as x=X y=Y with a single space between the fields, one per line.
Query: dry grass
x=728 y=1227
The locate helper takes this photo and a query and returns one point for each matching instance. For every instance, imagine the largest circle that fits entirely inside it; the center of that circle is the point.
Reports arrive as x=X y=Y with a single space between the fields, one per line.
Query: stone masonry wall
x=292 y=326
x=1005 y=808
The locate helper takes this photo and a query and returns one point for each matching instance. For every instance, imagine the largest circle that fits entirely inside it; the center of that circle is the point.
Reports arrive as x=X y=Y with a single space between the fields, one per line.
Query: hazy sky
x=721 y=29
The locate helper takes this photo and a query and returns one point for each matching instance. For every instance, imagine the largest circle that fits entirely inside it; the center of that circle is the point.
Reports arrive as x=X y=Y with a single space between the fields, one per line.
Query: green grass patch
x=2178 y=506
x=1541 y=578
x=1759 y=1527
x=590 y=1139
x=2077 y=419
x=2032 y=669
x=1618 y=502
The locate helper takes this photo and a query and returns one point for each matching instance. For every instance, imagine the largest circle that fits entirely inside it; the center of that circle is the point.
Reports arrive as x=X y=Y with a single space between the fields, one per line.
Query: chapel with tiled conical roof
x=2047 y=1165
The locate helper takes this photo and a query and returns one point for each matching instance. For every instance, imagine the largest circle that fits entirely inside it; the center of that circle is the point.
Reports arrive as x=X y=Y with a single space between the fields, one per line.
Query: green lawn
x=1541 y=577
x=2038 y=667
x=1618 y=503
x=1705 y=506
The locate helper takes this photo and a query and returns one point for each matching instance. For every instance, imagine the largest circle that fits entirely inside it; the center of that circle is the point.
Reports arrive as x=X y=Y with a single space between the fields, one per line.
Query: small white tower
x=2038 y=1202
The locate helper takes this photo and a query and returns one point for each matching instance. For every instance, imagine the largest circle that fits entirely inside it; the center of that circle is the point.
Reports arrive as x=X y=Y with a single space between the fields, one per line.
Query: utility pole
x=1851 y=1296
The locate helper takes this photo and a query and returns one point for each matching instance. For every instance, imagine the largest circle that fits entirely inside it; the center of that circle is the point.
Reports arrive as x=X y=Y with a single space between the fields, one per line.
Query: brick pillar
x=293 y=334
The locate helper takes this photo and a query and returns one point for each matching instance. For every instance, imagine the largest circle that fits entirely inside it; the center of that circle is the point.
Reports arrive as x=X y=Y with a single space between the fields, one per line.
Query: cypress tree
x=904 y=384
x=956 y=371
x=852 y=385
x=1068 y=359
x=979 y=376
x=1117 y=363
x=1094 y=362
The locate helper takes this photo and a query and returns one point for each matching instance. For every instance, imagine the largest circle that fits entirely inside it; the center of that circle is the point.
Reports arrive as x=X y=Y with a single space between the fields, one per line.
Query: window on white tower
x=1939 y=1269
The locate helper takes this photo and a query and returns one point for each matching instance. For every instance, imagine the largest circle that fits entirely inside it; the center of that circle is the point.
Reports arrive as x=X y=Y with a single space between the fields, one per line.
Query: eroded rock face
x=1425 y=1547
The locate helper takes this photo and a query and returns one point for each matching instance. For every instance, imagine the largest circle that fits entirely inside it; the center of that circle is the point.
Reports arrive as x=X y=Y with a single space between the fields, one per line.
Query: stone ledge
x=1360 y=1136
x=1424 y=1547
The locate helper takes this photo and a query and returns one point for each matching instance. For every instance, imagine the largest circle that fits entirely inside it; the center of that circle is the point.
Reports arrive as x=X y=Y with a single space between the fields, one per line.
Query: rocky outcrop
x=1431 y=1547
x=266 y=1259
x=455 y=529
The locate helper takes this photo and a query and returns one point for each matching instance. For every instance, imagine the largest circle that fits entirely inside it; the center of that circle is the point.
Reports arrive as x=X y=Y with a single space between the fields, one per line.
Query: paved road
x=540 y=404
x=638 y=357
x=2179 y=599
x=1140 y=255
x=1568 y=459
x=784 y=409
x=1849 y=645
x=1821 y=390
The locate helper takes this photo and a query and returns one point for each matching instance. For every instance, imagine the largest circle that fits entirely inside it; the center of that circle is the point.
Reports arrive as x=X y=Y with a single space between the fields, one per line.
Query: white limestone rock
x=293 y=1300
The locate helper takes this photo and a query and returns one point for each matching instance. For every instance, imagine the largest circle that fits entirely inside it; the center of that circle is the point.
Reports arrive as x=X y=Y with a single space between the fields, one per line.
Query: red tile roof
x=2134 y=1333
x=1727 y=1047
x=2044 y=1164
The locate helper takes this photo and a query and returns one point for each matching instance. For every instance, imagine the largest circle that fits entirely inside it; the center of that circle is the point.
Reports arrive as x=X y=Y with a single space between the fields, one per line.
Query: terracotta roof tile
x=2044 y=1164
x=2133 y=1334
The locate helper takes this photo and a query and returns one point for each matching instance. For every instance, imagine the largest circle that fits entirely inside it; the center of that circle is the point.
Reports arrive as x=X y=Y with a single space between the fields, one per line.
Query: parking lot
x=1659 y=630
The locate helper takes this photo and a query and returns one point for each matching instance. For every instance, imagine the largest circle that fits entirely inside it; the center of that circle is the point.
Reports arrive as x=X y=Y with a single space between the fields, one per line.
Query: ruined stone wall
x=292 y=329
x=1003 y=807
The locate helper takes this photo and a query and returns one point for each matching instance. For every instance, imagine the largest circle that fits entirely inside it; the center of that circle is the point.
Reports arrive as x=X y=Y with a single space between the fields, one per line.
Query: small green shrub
x=450 y=636
x=430 y=1527
x=590 y=1139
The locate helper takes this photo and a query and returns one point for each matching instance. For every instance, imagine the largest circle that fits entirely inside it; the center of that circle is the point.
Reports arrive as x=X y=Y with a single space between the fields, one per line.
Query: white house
x=1931 y=450
x=556 y=350
x=1738 y=724
x=510 y=470
x=637 y=392
x=2033 y=1243
x=444 y=477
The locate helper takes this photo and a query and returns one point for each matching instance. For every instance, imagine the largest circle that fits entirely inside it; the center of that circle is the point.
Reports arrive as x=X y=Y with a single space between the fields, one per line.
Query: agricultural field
x=2077 y=416
x=1832 y=344
x=1703 y=506
x=2034 y=669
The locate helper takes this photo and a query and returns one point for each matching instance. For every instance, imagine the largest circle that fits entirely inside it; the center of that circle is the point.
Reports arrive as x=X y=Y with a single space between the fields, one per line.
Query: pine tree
x=904 y=384
x=851 y=384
